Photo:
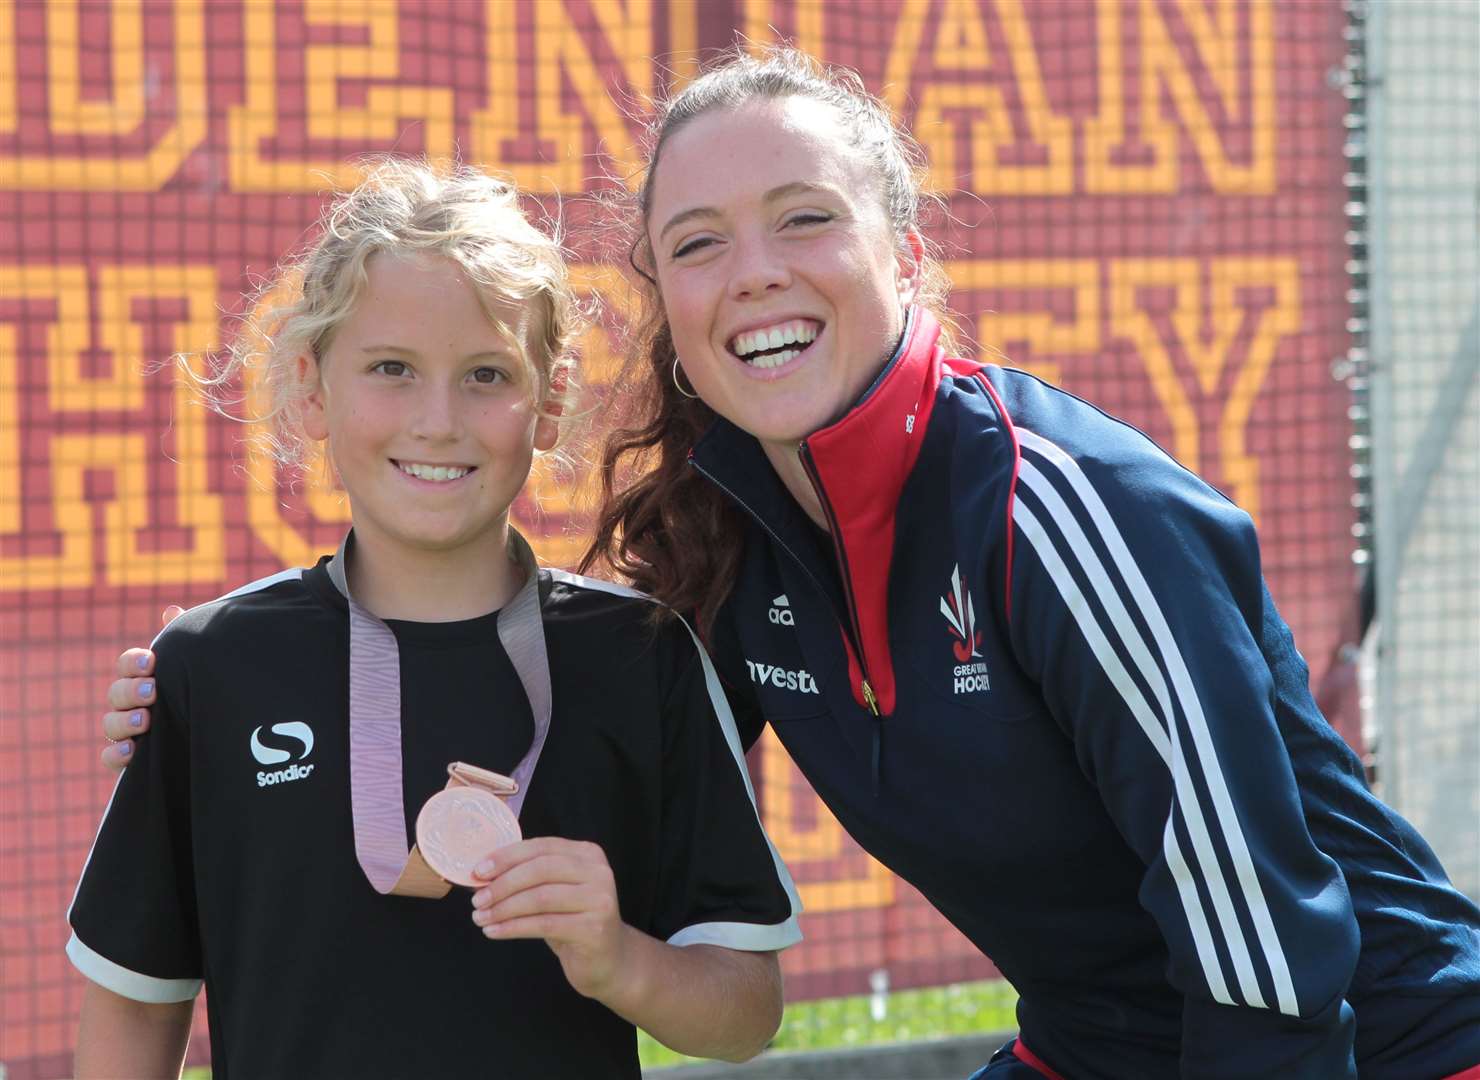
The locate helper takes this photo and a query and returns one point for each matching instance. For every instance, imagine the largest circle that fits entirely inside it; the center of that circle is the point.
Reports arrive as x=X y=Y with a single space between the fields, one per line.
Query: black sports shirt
x=226 y=855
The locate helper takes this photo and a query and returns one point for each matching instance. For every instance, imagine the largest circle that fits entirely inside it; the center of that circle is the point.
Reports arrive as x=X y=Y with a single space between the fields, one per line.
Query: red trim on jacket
x=862 y=462
x=1033 y=1061
x=969 y=367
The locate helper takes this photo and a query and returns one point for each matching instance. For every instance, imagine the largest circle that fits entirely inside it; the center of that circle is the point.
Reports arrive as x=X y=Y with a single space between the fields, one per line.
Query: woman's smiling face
x=783 y=280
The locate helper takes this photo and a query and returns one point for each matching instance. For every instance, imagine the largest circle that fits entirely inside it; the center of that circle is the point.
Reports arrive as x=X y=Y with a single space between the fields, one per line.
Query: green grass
x=837 y=1023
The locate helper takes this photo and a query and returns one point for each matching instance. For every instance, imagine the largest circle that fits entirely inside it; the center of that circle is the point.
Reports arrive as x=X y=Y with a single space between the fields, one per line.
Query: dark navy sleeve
x=1136 y=602
x=729 y=662
x=721 y=880
x=134 y=926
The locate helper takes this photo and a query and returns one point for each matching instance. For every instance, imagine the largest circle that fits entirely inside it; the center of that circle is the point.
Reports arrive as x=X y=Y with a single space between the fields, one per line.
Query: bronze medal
x=461 y=826
x=478 y=811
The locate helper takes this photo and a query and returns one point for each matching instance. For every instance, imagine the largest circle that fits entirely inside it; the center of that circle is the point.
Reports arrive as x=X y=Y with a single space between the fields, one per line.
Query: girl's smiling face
x=427 y=408
x=783 y=280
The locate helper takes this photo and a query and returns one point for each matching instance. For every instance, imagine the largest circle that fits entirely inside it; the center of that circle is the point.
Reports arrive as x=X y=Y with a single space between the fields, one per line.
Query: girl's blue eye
x=394 y=368
x=488 y=375
x=809 y=219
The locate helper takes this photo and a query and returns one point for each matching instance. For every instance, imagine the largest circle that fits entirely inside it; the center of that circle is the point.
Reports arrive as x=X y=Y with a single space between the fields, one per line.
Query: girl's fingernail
x=143 y=662
x=480 y=898
x=145 y=689
x=135 y=719
x=125 y=747
x=484 y=868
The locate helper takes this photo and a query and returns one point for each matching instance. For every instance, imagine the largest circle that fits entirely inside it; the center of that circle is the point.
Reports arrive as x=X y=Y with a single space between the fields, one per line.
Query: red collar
x=861 y=464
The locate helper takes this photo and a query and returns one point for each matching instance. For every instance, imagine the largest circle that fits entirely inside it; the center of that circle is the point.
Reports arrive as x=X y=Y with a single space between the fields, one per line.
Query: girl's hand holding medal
x=563 y=892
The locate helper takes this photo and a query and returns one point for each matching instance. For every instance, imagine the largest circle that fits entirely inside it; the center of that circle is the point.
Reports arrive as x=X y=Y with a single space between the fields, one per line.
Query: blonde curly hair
x=402 y=205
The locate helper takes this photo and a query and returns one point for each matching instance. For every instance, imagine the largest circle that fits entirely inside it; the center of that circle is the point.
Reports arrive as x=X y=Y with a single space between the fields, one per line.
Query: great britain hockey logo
x=960 y=612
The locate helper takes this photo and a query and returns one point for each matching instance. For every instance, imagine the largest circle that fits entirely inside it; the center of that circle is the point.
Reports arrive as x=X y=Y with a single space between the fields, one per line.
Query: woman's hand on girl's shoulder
x=128 y=700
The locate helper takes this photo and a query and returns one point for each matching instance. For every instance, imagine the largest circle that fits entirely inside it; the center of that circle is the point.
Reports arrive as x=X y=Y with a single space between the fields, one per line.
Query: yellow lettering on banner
x=960 y=45
x=961 y=40
x=121 y=114
x=126 y=456
x=821 y=841
x=1214 y=37
x=683 y=41
x=66 y=333
x=609 y=287
x=562 y=54
x=123 y=111
x=1041 y=331
x=322 y=498
x=808 y=30
x=9 y=87
x=324 y=66
x=196 y=508
x=1280 y=320
x=68 y=388
x=566 y=494
x=1208 y=355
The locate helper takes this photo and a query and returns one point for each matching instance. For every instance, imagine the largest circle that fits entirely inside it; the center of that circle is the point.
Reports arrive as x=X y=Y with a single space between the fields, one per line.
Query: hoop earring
x=676 y=385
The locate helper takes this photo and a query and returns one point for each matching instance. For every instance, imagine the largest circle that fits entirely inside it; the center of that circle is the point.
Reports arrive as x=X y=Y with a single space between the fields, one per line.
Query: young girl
x=260 y=842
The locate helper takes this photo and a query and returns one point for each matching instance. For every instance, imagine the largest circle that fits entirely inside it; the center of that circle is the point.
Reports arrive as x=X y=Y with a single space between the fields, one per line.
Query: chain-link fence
x=1423 y=226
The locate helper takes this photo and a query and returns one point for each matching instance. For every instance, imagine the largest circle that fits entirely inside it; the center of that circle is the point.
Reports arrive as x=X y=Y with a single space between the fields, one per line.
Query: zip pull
x=873 y=707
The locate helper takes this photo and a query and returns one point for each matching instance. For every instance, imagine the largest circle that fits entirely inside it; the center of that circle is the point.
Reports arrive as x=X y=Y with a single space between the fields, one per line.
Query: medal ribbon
x=377 y=804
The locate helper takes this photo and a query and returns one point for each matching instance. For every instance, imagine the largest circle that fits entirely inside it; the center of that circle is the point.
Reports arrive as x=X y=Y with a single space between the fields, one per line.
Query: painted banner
x=1143 y=203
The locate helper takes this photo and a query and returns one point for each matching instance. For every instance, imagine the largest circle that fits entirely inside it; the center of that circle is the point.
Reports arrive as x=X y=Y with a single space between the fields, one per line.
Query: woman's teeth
x=769 y=339
x=770 y=360
x=439 y=473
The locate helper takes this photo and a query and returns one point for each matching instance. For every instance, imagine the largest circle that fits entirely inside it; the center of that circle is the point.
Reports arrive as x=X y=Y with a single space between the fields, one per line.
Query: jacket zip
x=805 y=453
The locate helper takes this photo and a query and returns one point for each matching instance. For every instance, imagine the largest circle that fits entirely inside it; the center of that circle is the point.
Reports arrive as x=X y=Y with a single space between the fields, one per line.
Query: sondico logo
x=960 y=614
x=271 y=755
x=780 y=613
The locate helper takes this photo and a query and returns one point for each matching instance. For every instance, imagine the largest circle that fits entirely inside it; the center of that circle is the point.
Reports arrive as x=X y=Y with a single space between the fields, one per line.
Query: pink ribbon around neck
x=376 y=800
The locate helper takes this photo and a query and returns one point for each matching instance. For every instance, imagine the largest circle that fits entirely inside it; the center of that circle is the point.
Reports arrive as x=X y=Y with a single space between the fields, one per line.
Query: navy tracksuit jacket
x=1035 y=670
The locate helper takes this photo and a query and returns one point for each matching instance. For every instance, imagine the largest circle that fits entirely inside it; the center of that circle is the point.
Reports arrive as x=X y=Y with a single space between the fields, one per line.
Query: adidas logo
x=781 y=612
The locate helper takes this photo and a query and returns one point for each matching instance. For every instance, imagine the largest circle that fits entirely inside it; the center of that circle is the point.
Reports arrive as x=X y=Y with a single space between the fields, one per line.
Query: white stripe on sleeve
x=1197 y=922
x=1191 y=705
x=1187 y=799
x=126 y=983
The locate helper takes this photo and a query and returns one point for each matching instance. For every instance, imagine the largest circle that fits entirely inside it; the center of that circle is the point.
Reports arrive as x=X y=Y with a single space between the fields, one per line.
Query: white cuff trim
x=126 y=983
x=746 y=937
